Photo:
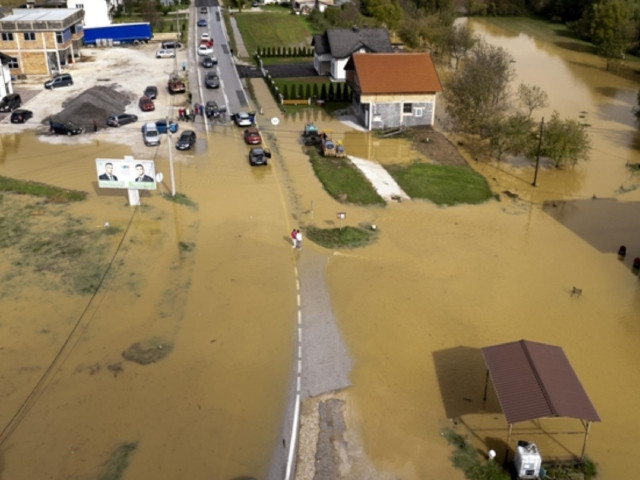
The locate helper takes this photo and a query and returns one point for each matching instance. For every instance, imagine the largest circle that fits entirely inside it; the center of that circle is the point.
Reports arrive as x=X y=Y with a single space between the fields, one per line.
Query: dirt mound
x=96 y=103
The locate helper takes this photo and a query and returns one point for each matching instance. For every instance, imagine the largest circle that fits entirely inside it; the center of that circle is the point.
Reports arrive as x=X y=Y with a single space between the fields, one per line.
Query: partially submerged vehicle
x=311 y=135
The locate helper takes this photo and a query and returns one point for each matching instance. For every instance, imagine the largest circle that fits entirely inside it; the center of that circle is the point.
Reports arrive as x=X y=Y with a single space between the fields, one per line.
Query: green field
x=275 y=27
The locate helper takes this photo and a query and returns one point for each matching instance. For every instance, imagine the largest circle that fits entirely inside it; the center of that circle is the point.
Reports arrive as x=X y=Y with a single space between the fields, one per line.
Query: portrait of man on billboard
x=108 y=174
x=140 y=175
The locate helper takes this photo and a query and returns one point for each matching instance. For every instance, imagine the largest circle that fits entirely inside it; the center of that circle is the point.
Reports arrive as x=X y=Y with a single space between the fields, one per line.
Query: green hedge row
x=285 y=51
x=329 y=92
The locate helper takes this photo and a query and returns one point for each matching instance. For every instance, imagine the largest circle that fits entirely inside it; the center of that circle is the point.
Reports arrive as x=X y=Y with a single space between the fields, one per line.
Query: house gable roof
x=342 y=42
x=395 y=73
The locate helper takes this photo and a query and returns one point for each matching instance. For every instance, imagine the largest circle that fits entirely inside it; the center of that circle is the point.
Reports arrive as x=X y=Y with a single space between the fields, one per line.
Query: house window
x=59 y=37
x=13 y=63
x=7 y=36
x=418 y=112
x=79 y=5
x=29 y=36
x=407 y=108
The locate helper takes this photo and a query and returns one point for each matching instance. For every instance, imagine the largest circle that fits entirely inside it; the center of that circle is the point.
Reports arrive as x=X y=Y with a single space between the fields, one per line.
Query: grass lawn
x=349 y=237
x=442 y=184
x=275 y=27
x=342 y=180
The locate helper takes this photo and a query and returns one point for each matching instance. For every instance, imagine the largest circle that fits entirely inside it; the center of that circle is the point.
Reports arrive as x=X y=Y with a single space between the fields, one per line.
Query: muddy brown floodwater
x=214 y=286
x=441 y=283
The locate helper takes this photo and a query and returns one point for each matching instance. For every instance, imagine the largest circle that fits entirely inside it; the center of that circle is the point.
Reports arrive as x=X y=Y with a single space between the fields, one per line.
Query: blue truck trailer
x=117 y=34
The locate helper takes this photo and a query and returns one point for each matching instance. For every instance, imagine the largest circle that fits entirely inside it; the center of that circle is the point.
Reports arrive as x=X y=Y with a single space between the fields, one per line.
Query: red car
x=252 y=136
x=146 y=104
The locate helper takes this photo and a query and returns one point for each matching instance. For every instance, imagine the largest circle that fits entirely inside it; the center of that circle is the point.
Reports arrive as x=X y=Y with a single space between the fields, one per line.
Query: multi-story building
x=41 y=41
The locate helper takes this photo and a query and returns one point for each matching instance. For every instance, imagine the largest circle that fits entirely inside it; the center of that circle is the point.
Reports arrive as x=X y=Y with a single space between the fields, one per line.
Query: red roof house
x=393 y=89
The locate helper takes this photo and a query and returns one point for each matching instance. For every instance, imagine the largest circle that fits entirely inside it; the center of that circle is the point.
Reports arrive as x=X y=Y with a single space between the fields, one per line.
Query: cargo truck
x=118 y=34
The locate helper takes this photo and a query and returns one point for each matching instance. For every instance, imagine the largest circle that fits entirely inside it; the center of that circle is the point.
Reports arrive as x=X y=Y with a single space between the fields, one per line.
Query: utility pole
x=173 y=178
x=535 y=175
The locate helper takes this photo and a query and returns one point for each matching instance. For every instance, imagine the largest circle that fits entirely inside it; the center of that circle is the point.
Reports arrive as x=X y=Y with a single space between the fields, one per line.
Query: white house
x=335 y=46
x=96 y=12
x=5 y=75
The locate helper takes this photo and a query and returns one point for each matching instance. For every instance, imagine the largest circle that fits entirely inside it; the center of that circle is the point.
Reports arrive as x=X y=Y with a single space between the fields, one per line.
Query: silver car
x=150 y=134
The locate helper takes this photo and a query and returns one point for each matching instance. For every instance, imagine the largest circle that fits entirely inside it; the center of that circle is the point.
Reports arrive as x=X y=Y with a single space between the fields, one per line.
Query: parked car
x=151 y=92
x=209 y=62
x=163 y=126
x=60 y=80
x=252 y=136
x=202 y=22
x=211 y=109
x=242 y=119
x=186 y=140
x=146 y=104
x=165 y=53
x=21 y=116
x=150 y=134
x=258 y=156
x=122 y=119
x=211 y=80
x=205 y=50
x=10 y=102
x=169 y=44
x=64 y=128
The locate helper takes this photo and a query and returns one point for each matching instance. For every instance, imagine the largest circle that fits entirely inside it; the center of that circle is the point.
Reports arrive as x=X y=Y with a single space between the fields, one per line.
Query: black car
x=209 y=62
x=59 y=80
x=10 y=102
x=203 y=10
x=122 y=119
x=171 y=44
x=187 y=140
x=259 y=156
x=21 y=116
x=151 y=91
x=211 y=109
x=211 y=80
x=64 y=128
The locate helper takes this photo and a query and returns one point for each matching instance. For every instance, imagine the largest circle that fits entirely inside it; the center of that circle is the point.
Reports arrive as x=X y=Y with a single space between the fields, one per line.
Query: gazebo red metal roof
x=535 y=380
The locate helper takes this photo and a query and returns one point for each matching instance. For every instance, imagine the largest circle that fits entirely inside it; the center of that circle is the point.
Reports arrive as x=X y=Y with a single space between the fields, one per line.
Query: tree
x=512 y=134
x=478 y=92
x=532 y=97
x=565 y=141
x=612 y=29
x=387 y=12
x=461 y=40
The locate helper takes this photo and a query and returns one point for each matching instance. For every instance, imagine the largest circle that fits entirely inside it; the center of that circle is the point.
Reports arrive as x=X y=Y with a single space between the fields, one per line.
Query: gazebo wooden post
x=584 y=442
x=506 y=454
x=486 y=384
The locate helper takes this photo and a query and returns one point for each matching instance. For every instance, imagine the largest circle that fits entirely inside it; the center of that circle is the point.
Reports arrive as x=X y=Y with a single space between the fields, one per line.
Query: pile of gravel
x=96 y=103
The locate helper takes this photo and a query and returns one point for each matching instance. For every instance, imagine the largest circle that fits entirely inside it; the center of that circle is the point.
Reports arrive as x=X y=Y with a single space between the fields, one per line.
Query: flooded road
x=199 y=283
x=214 y=286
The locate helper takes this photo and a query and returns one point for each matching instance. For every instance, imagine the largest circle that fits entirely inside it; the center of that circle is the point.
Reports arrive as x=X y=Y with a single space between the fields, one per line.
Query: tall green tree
x=512 y=135
x=612 y=28
x=478 y=92
x=565 y=142
x=387 y=12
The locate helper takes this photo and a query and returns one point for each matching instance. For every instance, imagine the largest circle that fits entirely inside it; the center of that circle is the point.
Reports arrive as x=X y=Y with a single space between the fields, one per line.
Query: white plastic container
x=527 y=460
